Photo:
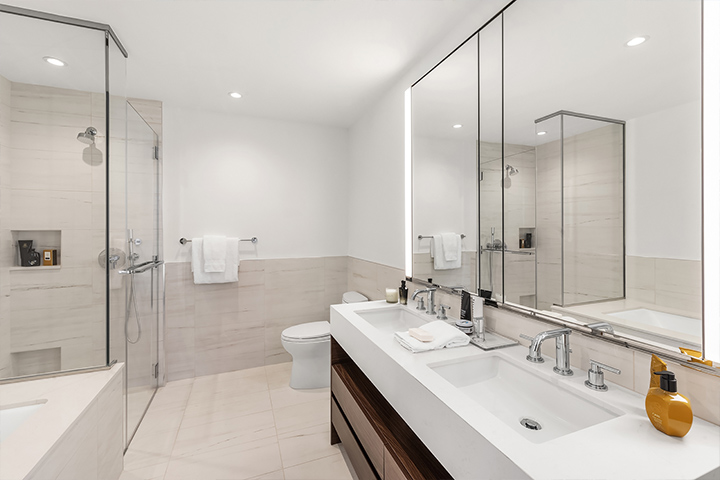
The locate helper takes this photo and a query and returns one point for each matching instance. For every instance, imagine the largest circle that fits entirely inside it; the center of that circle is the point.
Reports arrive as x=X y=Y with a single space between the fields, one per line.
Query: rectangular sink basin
x=533 y=406
x=394 y=319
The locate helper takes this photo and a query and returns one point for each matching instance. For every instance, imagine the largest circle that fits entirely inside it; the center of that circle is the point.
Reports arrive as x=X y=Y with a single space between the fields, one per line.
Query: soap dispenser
x=669 y=411
x=403 y=292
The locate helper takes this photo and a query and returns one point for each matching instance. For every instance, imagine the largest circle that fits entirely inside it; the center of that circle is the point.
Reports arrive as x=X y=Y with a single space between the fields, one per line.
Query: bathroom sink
x=394 y=319
x=537 y=408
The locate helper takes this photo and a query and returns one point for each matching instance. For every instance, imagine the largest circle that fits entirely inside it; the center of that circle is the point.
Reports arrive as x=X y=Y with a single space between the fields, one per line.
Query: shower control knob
x=137 y=241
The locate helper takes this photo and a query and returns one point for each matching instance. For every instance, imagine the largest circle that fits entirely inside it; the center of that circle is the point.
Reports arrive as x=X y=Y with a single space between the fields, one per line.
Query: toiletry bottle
x=403 y=291
x=478 y=317
x=669 y=411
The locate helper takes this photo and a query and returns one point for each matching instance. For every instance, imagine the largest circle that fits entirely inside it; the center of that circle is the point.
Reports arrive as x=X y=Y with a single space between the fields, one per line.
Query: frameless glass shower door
x=144 y=284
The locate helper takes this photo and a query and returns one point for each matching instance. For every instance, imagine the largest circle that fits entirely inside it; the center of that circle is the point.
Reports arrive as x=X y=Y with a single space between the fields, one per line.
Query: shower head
x=511 y=170
x=88 y=136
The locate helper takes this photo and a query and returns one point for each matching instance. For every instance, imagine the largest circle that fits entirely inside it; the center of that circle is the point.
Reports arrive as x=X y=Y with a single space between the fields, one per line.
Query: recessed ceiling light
x=234 y=94
x=457 y=125
x=54 y=61
x=541 y=133
x=636 y=41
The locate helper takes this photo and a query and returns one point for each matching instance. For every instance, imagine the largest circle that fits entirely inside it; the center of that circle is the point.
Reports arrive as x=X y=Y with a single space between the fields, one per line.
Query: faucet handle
x=442 y=315
x=533 y=356
x=420 y=304
x=596 y=377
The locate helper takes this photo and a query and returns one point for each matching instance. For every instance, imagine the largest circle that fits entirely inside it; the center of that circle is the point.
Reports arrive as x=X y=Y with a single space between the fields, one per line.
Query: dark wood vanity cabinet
x=378 y=442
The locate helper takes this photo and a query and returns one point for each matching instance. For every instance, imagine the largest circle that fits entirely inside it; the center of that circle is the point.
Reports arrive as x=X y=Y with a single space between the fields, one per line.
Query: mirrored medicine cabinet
x=563 y=143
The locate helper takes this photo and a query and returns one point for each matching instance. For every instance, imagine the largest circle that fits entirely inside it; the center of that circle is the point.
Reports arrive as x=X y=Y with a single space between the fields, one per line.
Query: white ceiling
x=318 y=61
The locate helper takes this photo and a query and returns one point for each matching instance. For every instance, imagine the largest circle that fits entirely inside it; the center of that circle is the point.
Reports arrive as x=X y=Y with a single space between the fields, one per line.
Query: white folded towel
x=446 y=336
x=439 y=251
x=452 y=247
x=232 y=258
x=214 y=253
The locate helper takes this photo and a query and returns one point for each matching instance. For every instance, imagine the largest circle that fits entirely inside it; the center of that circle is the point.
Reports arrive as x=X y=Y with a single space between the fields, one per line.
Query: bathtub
x=666 y=321
x=69 y=426
x=12 y=416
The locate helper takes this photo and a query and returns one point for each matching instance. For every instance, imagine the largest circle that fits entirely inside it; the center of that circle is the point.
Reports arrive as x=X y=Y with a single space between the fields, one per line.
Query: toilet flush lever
x=596 y=377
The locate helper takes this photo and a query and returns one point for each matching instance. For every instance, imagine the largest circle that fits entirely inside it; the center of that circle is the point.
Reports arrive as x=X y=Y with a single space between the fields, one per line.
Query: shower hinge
x=156 y=152
x=156 y=370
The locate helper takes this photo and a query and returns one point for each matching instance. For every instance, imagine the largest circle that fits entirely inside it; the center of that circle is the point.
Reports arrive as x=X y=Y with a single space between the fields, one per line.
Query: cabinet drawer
x=362 y=468
x=392 y=470
x=360 y=424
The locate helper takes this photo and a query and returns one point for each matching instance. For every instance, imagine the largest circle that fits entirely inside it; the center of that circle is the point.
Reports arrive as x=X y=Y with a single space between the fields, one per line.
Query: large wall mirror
x=588 y=157
x=444 y=173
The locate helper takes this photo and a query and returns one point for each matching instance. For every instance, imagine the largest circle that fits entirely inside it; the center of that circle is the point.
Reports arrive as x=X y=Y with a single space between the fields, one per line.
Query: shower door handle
x=143 y=267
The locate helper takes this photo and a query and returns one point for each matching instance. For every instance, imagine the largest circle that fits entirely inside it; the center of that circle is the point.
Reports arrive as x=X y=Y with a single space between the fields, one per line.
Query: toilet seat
x=307 y=332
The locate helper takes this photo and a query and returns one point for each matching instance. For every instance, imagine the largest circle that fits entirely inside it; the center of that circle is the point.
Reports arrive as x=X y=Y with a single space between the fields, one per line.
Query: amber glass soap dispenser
x=669 y=411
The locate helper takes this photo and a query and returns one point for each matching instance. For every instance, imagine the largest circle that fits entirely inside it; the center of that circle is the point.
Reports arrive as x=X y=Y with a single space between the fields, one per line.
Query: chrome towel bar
x=184 y=240
x=420 y=237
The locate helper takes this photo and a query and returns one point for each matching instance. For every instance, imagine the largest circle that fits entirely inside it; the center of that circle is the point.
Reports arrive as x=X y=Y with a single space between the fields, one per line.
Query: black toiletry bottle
x=403 y=291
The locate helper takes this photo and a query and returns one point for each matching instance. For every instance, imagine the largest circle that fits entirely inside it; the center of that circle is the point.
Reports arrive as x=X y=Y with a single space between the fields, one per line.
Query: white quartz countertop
x=63 y=398
x=473 y=443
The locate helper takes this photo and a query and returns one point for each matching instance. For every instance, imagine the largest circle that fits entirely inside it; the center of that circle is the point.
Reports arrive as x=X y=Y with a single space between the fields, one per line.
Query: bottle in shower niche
x=403 y=292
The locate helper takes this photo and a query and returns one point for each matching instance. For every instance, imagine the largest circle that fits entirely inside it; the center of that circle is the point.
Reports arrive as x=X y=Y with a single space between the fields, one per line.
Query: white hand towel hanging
x=439 y=249
x=452 y=246
x=232 y=259
x=214 y=249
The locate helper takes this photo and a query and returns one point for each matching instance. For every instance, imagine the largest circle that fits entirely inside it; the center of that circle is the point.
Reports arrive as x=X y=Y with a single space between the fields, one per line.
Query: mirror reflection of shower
x=91 y=155
x=509 y=172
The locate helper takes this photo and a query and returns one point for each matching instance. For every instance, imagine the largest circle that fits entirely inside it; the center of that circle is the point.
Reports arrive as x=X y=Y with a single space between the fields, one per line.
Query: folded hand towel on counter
x=446 y=336
x=232 y=258
x=214 y=249
x=438 y=249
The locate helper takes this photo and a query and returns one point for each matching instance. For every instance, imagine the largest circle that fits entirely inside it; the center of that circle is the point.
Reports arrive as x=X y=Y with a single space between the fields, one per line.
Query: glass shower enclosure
x=81 y=275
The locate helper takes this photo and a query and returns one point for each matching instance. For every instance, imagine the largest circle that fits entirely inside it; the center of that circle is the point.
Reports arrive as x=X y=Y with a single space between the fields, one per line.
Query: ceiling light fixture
x=457 y=125
x=234 y=94
x=541 y=133
x=54 y=61
x=636 y=41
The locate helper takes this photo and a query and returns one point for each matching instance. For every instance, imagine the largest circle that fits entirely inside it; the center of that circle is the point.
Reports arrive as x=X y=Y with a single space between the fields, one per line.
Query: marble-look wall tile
x=218 y=328
x=666 y=282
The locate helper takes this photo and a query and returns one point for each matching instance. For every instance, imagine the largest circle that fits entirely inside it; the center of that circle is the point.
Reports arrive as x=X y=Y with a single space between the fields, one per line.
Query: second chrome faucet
x=562 y=349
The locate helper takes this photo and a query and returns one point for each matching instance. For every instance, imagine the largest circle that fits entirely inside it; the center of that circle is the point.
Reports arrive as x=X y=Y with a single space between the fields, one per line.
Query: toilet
x=309 y=345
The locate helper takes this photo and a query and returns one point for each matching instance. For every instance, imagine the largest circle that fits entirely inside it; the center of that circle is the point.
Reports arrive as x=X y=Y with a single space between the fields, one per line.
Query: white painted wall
x=376 y=198
x=283 y=182
x=663 y=210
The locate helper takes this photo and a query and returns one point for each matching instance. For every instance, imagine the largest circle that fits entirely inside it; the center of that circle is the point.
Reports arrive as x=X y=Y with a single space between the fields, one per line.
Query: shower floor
x=247 y=424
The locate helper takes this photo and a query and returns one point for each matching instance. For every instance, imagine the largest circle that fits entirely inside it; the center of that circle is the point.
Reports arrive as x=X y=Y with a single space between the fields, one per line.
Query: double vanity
x=492 y=414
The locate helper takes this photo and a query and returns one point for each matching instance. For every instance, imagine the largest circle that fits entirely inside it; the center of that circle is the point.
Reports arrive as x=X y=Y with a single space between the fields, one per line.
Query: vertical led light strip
x=408 y=184
x=711 y=179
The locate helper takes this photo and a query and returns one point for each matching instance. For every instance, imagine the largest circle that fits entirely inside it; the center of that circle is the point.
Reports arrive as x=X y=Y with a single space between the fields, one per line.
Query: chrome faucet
x=430 y=298
x=562 y=349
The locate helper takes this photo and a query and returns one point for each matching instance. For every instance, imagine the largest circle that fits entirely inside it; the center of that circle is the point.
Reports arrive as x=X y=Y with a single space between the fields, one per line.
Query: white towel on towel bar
x=232 y=258
x=440 y=252
x=214 y=252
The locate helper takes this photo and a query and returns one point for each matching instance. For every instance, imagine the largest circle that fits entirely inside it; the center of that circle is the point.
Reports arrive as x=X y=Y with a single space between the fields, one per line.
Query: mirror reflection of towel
x=446 y=251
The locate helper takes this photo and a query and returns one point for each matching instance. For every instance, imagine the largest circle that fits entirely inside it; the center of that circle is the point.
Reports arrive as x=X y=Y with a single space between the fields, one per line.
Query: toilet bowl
x=309 y=346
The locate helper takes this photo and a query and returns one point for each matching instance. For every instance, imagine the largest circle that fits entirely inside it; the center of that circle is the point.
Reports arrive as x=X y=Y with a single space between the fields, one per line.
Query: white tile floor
x=247 y=424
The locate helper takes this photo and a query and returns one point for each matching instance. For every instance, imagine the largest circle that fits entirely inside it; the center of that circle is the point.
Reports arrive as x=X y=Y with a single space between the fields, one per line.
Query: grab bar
x=142 y=267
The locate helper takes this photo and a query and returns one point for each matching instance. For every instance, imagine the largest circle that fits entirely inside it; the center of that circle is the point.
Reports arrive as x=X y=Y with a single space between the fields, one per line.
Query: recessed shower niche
x=37 y=249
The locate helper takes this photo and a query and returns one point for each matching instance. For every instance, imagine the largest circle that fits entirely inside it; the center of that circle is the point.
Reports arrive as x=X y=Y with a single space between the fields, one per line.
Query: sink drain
x=530 y=424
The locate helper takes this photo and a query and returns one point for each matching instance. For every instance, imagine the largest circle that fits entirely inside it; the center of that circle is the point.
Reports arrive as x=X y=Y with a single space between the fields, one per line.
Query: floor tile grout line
x=177 y=432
